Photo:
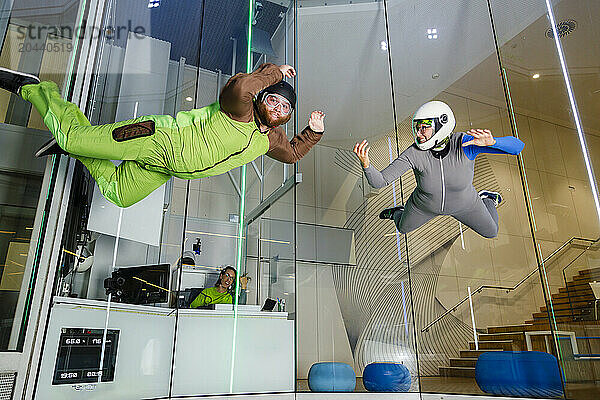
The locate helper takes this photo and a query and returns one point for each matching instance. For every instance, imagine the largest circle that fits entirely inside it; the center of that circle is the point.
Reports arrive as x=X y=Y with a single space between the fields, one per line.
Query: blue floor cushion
x=386 y=377
x=331 y=377
x=518 y=373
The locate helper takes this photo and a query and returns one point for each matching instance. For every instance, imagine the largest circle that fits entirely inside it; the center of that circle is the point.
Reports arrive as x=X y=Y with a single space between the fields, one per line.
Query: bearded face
x=272 y=117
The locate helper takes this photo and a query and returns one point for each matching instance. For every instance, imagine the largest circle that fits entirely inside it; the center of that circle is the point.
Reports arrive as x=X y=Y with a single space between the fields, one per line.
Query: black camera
x=114 y=285
x=146 y=284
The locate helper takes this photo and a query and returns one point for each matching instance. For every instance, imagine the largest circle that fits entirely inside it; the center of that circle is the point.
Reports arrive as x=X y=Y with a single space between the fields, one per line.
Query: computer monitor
x=269 y=305
x=145 y=284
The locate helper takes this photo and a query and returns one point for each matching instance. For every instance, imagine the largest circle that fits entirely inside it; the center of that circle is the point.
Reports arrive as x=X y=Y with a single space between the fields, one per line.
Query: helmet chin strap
x=441 y=145
x=440 y=150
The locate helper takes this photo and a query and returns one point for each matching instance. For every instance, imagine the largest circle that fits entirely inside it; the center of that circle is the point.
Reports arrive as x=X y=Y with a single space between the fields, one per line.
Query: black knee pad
x=133 y=131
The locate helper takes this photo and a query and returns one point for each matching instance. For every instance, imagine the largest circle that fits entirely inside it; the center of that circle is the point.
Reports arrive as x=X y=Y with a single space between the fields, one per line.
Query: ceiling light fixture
x=535 y=76
x=188 y=98
x=432 y=33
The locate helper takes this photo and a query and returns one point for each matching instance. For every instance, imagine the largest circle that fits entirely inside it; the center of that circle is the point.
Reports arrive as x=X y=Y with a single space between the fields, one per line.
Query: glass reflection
x=558 y=178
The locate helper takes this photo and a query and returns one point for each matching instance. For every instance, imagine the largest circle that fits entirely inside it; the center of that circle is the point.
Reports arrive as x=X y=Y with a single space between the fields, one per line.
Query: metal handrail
x=507 y=288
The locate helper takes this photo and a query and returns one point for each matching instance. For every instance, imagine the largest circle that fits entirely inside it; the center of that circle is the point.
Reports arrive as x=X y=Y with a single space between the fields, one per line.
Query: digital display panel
x=79 y=352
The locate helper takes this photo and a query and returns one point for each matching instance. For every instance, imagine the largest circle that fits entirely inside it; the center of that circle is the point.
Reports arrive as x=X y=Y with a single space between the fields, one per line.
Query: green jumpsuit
x=195 y=144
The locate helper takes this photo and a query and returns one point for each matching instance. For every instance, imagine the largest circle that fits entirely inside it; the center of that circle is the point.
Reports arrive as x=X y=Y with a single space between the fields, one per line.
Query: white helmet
x=440 y=117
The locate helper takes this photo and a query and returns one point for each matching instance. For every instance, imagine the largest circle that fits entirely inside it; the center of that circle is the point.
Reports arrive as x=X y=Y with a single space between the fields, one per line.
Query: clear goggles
x=273 y=101
x=422 y=124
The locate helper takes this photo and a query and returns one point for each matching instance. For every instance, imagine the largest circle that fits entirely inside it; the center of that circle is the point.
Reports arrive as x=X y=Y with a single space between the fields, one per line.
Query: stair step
x=495 y=345
x=515 y=336
x=581 y=281
x=463 y=362
x=588 y=275
x=577 y=292
x=560 y=320
x=473 y=353
x=564 y=314
x=590 y=271
x=585 y=278
x=576 y=289
x=573 y=293
x=542 y=325
x=509 y=328
x=464 y=372
x=576 y=312
x=564 y=297
x=568 y=305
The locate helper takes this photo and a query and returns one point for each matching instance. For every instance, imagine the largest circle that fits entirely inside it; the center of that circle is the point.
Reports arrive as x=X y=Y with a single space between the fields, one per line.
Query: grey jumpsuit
x=444 y=184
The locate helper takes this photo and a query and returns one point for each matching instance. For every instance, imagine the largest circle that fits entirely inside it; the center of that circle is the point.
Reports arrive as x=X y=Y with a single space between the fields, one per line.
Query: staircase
x=573 y=305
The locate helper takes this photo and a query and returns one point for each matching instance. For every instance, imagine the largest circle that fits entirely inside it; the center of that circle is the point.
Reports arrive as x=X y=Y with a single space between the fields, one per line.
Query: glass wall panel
x=31 y=42
x=114 y=292
x=475 y=284
x=223 y=218
x=354 y=305
x=174 y=265
x=564 y=204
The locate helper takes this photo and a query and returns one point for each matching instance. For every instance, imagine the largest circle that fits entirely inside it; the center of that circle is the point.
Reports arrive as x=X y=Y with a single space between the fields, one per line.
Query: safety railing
x=511 y=288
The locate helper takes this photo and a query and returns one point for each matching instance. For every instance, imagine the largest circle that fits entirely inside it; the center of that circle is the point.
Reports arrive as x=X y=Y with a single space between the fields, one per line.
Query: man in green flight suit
x=244 y=124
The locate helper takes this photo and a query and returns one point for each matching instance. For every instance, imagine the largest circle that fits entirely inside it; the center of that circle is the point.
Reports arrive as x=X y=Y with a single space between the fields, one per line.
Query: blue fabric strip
x=503 y=145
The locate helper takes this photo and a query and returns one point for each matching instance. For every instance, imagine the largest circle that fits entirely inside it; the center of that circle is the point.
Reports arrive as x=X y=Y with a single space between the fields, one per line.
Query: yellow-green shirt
x=212 y=296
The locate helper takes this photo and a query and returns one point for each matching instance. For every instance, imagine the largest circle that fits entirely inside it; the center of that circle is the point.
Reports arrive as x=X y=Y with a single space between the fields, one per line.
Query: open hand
x=362 y=151
x=481 y=137
x=315 y=122
x=244 y=281
x=287 y=71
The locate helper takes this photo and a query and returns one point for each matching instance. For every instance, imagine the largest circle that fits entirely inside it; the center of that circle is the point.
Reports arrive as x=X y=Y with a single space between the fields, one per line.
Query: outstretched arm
x=291 y=151
x=238 y=93
x=379 y=179
x=477 y=141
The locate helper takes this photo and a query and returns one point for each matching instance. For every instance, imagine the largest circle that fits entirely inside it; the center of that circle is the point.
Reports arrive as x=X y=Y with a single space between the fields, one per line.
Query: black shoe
x=388 y=213
x=494 y=196
x=13 y=80
x=49 y=148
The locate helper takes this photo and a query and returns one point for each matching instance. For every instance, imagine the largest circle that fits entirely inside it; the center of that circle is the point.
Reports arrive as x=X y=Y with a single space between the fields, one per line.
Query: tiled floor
x=431 y=384
x=452 y=385
x=468 y=386
x=583 y=391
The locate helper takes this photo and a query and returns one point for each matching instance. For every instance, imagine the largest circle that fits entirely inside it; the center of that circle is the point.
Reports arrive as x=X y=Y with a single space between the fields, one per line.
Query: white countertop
x=101 y=304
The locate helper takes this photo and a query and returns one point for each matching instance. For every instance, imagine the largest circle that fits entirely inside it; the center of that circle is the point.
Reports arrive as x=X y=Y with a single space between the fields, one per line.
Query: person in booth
x=223 y=291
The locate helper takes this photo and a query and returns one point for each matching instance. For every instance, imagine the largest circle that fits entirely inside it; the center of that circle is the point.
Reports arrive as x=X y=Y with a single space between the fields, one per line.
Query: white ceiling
x=343 y=70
